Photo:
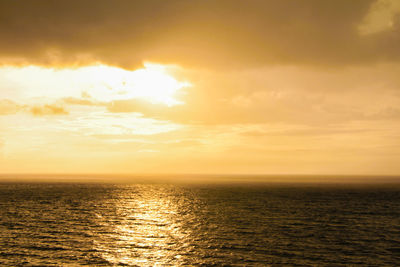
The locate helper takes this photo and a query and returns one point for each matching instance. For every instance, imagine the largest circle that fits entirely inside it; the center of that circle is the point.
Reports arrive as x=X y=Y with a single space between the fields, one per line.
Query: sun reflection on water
x=146 y=230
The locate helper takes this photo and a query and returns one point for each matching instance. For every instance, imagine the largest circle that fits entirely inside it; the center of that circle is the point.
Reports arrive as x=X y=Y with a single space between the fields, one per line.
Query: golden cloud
x=48 y=110
x=8 y=107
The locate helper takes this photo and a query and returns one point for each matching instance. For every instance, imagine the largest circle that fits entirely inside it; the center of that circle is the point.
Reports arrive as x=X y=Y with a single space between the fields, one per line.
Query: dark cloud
x=207 y=32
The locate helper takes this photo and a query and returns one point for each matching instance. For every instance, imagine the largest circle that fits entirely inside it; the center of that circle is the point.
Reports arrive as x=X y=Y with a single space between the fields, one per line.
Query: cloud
x=287 y=94
x=214 y=113
x=382 y=16
x=8 y=107
x=226 y=33
x=48 y=110
x=301 y=131
x=82 y=101
x=2 y=144
x=294 y=95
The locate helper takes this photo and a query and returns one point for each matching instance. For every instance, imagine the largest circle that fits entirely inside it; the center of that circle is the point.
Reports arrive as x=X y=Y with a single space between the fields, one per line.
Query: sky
x=174 y=86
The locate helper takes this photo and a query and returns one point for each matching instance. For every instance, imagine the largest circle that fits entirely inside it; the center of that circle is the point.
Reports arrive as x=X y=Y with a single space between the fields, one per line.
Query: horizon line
x=200 y=178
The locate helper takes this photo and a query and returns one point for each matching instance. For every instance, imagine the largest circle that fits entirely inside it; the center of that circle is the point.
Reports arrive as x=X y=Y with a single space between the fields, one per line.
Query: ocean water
x=221 y=225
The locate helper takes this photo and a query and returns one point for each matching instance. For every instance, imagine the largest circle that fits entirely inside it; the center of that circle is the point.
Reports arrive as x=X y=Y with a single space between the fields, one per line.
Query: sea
x=200 y=224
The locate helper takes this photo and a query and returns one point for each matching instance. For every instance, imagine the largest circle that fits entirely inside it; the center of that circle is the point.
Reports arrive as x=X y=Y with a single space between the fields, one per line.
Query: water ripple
x=170 y=225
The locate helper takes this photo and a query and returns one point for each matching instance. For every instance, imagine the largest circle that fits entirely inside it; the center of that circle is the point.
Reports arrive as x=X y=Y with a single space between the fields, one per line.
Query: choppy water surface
x=145 y=225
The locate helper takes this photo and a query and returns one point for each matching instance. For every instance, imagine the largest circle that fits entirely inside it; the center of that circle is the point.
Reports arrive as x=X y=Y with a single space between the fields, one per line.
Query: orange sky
x=283 y=87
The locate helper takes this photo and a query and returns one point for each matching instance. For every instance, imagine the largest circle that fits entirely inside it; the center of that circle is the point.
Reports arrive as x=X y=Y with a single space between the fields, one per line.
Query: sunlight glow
x=153 y=83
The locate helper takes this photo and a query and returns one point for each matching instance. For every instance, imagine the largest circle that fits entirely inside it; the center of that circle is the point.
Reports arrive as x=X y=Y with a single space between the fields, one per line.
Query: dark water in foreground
x=146 y=225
